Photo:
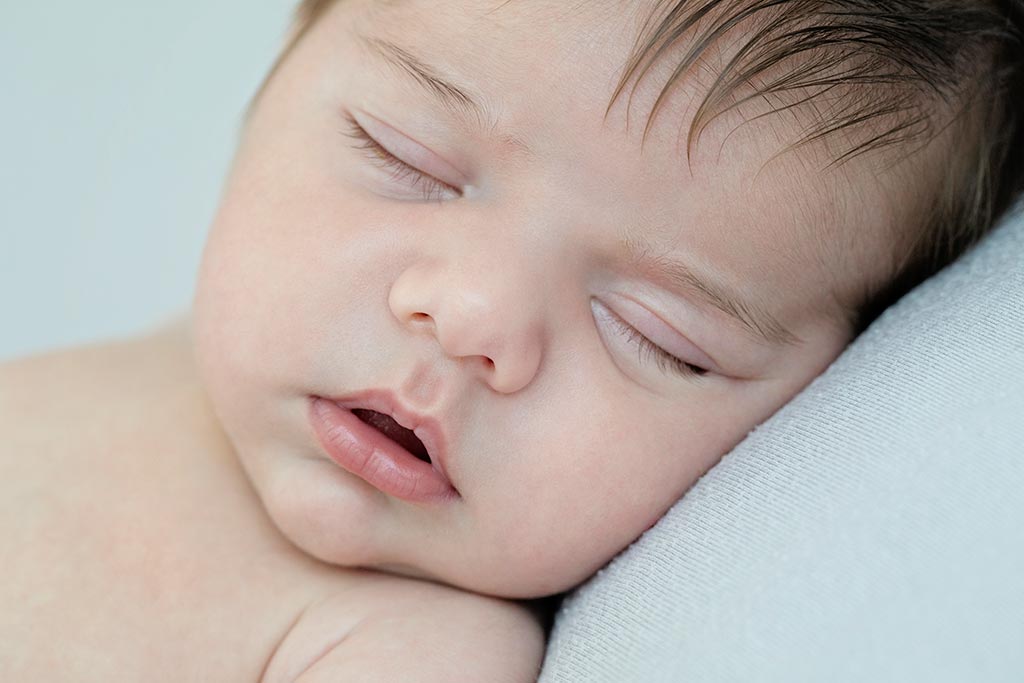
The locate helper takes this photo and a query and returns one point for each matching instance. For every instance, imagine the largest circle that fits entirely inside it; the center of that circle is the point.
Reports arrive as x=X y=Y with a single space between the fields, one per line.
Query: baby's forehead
x=700 y=75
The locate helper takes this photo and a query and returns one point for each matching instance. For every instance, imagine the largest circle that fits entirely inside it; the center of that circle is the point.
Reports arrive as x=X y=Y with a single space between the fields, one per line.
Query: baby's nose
x=489 y=322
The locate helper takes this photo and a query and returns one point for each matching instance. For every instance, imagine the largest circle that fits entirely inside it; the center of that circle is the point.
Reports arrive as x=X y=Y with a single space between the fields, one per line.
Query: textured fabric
x=871 y=530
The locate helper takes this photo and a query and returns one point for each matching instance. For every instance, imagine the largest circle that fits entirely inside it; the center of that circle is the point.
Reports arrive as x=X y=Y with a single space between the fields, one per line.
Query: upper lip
x=427 y=429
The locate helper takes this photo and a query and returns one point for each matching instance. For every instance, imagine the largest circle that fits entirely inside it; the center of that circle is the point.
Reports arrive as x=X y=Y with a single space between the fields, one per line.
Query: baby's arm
x=443 y=636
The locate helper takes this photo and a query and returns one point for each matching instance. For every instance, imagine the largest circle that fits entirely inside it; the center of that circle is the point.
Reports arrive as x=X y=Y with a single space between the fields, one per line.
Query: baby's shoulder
x=389 y=629
x=43 y=396
x=85 y=390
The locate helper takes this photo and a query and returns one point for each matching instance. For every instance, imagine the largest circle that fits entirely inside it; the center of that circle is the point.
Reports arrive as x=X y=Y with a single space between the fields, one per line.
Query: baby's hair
x=868 y=75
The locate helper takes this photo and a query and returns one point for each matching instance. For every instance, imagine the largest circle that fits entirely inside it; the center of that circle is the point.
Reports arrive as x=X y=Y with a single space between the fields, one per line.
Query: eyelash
x=432 y=188
x=665 y=360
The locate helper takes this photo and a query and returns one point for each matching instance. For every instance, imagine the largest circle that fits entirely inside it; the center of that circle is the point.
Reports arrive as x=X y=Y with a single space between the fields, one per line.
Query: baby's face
x=489 y=285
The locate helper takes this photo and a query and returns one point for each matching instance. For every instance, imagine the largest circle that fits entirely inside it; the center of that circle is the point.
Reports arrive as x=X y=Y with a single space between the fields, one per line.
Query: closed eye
x=665 y=360
x=431 y=188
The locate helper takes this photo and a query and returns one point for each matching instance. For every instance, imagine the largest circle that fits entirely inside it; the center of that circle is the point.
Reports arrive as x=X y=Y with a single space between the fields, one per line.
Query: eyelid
x=662 y=334
x=409 y=151
x=430 y=187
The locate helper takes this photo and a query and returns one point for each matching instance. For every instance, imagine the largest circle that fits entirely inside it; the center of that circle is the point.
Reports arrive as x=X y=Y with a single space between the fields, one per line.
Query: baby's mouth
x=394 y=431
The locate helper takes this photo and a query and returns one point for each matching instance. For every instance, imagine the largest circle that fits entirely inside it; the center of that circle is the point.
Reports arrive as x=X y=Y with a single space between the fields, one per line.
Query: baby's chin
x=491 y=576
x=512 y=582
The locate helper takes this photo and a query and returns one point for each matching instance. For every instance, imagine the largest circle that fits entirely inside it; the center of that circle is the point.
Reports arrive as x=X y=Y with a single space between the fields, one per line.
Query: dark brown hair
x=878 y=75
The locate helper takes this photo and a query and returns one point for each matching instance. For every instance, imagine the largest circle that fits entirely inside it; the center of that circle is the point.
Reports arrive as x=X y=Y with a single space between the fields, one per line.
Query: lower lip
x=368 y=454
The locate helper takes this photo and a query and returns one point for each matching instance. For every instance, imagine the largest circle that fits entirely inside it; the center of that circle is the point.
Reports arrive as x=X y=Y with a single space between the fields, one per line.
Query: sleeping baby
x=491 y=284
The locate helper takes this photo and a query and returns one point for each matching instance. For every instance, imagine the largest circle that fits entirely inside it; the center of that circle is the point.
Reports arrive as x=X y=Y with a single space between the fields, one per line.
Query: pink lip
x=362 y=450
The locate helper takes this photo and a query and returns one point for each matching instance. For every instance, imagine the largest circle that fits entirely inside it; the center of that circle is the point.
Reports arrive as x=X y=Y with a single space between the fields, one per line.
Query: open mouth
x=394 y=431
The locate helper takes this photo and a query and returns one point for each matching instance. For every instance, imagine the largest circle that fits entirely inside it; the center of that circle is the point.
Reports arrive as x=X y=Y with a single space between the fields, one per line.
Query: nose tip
x=505 y=359
x=478 y=306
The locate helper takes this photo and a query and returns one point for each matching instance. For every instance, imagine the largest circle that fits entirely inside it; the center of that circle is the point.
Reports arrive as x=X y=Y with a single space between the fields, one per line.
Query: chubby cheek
x=239 y=313
x=572 y=502
x=268 y=289
x=251 y=324
x=547 y=545
x=577 y=501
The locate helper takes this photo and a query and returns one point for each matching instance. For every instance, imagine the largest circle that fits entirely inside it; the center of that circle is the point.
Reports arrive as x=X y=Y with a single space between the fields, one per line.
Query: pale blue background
x=117 y=123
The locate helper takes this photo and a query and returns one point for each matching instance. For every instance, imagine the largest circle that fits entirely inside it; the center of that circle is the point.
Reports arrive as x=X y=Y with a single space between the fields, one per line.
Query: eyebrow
x=683 y=279
x=454 y=99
